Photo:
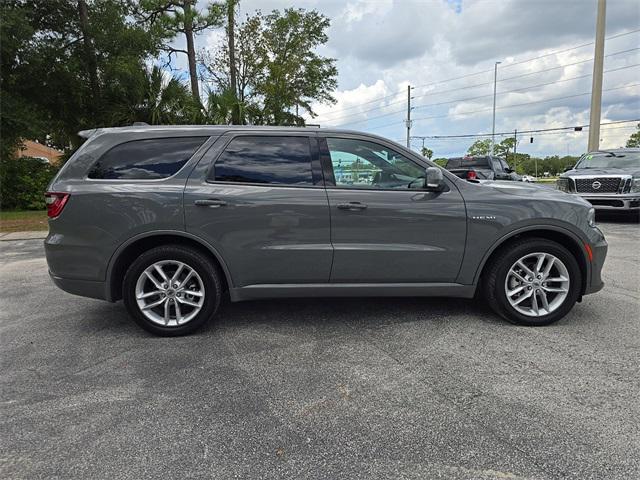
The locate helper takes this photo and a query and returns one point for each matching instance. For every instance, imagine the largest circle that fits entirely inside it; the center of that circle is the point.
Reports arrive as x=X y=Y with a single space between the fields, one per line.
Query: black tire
x=207 y=271
x=496 y=273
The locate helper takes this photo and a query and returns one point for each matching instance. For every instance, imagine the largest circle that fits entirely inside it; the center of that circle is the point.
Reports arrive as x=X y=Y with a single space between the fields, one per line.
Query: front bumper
x=599 y=250
x=613 y=202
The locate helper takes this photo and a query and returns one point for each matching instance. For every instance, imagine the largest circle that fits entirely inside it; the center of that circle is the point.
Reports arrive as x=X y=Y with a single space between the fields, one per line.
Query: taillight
x=471 y=175
x=55 y=203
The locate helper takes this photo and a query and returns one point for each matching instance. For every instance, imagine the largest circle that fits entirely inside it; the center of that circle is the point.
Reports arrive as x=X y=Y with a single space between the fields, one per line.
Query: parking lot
x=349 y=388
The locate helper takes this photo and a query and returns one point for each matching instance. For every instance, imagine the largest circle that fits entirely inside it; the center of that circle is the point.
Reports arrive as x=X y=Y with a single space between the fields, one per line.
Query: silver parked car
x=172 y=219
x=609 y=180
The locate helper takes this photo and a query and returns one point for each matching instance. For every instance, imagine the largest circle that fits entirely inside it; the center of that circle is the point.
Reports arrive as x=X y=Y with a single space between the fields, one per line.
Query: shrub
x=23 y=182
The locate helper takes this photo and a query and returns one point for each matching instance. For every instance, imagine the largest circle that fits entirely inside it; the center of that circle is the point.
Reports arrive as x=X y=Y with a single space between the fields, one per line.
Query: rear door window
x=262 y=159
x=148 y=159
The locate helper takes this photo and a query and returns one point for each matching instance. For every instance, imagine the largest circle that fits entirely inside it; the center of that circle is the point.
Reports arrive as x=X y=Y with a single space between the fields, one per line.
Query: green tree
x=427 y=152
x=62 y=62
x=154 y=97
x=634 y=139
x=19 y=115
x=170 y=18
x=278 y=72
x=480 y=148
x=217 y=72
x=503 y=148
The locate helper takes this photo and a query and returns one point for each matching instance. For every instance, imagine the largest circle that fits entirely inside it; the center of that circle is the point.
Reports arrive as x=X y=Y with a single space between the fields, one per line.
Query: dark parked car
x=481 y=168
x=172 y=219
x=609 y=180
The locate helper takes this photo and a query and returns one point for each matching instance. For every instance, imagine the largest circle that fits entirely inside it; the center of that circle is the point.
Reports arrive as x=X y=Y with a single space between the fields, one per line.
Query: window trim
x=207 y=139
x=327 y=164
x=316 y=169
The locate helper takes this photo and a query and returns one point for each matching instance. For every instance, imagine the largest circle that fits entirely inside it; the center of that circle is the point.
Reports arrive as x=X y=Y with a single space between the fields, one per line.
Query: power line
x=510 y=133
x=504 y=107
x=630 y=32
x=528 y=103
x=470 y=87
x=488 y=95
x=569 y=49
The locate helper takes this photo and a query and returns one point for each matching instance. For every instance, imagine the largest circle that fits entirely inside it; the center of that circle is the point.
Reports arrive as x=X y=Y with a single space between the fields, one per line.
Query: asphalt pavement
x=348 y=388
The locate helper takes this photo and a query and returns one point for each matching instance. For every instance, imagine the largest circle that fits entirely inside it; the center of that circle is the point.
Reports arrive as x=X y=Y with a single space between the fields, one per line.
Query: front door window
x=367 y=165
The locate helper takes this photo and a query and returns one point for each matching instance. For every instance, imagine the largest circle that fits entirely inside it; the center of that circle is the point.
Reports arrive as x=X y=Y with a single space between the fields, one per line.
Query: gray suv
x=173 y=219
x=609 y=180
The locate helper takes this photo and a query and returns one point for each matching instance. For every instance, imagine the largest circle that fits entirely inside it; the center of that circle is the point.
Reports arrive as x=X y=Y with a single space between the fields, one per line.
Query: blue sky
x=446 y=49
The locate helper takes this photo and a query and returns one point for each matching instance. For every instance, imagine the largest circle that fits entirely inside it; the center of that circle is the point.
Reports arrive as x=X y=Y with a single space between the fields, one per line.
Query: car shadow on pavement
x=322 y=313
x=365 y=312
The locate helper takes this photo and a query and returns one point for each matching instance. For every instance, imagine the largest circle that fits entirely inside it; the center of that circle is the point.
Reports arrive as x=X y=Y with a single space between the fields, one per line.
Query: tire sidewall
x=193 y=259
x=507 y=261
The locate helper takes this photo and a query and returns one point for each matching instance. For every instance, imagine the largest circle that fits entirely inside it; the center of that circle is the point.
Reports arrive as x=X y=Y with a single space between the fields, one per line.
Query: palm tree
x=154 y=97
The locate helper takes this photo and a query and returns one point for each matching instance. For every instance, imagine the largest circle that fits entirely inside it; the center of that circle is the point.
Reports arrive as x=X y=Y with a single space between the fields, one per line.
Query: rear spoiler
x=88 y=133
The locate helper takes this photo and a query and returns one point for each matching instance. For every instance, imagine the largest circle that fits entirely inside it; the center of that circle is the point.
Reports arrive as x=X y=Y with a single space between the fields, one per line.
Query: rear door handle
x=352 y=206
x=210 y=202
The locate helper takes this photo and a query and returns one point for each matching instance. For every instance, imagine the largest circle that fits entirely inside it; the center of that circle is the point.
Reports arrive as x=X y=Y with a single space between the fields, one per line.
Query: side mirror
x=434 y=179
x=570 y=167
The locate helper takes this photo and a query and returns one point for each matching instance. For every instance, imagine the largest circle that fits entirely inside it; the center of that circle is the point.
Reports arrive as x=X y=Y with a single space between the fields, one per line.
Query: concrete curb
x=14 y=236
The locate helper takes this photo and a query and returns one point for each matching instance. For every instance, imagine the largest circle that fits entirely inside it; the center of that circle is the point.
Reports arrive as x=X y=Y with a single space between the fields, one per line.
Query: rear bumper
x=612 y=203
x=84 y=288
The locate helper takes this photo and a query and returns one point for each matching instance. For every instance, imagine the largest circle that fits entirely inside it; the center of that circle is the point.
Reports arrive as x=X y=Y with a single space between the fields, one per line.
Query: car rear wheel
x=533 y=282
x=172 y=290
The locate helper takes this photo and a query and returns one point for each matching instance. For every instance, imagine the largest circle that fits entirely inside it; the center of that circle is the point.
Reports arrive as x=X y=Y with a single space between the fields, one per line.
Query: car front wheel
x=533 y=282
x=171 y=290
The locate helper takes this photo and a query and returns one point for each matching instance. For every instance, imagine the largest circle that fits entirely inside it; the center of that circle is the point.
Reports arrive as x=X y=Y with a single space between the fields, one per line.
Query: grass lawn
x=23 y=221
x=547 y=180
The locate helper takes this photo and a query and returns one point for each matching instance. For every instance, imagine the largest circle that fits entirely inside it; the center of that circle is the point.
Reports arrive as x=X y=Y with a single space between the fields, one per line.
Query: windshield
x=608 y=160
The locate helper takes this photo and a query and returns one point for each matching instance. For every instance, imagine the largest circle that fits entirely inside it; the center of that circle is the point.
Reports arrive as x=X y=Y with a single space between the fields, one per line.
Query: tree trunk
x=191 y=50
x=235 y=114
x=90 y=59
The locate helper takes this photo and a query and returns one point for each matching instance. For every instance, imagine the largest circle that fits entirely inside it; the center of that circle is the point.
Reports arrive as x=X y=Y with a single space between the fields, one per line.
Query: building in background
x=33 y=149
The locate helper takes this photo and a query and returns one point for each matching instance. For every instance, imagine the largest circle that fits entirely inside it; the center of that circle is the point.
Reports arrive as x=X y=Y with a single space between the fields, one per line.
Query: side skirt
x=254 y=292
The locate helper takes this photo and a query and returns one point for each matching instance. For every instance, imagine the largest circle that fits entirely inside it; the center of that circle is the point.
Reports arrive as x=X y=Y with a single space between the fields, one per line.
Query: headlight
x=563 y=184
x=591 y=217
x=635 y=185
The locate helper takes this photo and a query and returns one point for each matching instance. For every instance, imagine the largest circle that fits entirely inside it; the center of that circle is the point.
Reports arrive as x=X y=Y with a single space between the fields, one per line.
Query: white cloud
x=380 y=46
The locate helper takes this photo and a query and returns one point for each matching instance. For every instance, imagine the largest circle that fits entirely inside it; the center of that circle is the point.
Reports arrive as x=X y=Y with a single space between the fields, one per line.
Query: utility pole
x=231 y=24
x=493 y=128
x=408 y=121
x=596 y=85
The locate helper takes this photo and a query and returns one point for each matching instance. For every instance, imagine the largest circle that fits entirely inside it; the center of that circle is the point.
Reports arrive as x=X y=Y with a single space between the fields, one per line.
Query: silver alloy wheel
x=537 y=284
x=170 y=293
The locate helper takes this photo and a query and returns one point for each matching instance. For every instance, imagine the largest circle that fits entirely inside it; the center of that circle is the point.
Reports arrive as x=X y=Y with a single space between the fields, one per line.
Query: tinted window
x=467 y=162
x=279 y=160
x=363 y=164
x=146 y=159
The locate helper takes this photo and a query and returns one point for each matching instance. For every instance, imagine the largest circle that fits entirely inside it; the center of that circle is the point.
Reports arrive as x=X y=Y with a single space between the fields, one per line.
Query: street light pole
x=493 y=128
x=596 y=85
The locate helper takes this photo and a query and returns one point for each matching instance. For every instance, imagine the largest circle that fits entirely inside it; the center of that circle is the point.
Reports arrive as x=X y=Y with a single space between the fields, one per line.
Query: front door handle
x=210 y=202
x=352 y=206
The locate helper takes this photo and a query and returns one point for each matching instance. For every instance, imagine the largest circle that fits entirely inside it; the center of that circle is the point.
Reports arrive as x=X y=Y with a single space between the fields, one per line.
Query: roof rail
x=140 y=124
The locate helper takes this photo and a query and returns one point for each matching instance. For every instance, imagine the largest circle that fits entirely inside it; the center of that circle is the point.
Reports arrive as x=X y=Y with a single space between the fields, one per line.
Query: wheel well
x=565 y=240
x=131 y=252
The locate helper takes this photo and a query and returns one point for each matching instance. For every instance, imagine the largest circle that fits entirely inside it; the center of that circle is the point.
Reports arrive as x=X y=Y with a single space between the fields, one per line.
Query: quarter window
x=147 y=159
x=264 y=159
x=362 y=164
